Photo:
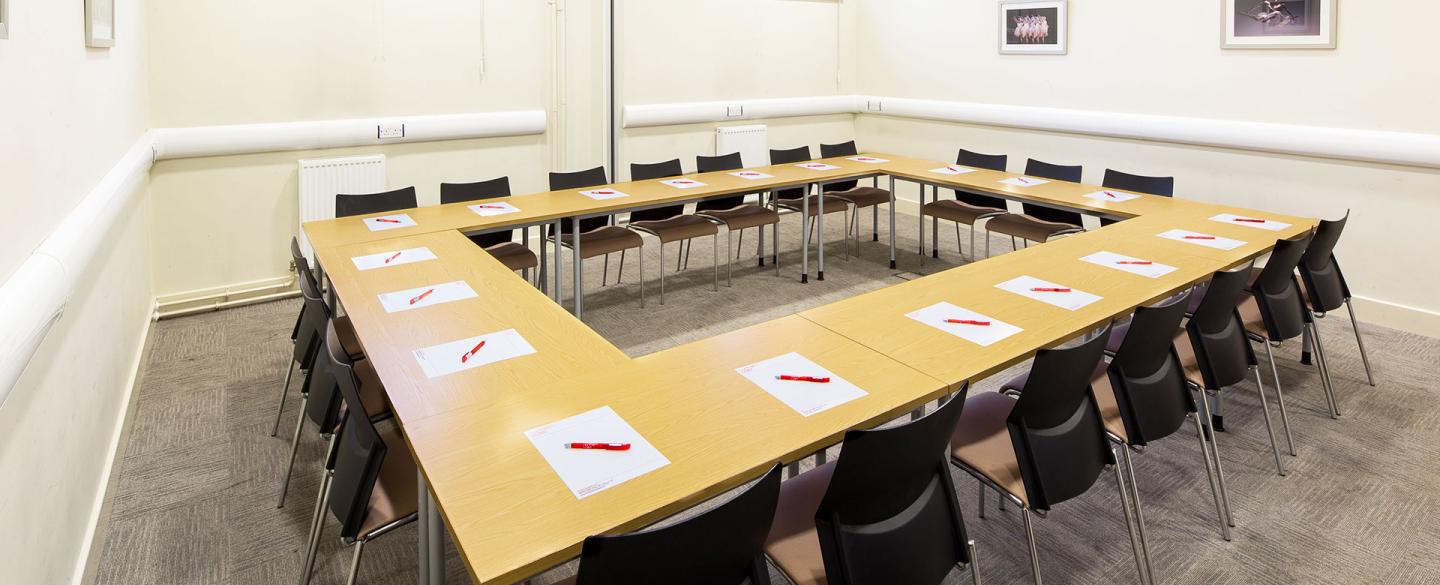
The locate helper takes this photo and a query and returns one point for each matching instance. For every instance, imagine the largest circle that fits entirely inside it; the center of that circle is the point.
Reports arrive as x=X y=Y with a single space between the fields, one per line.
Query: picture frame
x=100 y=23
x=1278 y=24
x=4 y=19
x=1034 y=27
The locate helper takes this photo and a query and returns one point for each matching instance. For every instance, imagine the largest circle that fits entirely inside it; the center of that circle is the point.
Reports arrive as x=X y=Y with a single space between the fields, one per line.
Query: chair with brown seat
x=502 y=245
x=1038 y=223
x=860 y=197
x=670 y=223
x=966 y=208
x=597 y=237
x=792 y=199
x=347 y=205
x=309 y=331
x=1325 y=285
x=372 y=490
x=1046 y=447
x=723 y=546
x=1162 y=186
x=1275 y=311
x=737 y=215
x=885 y=512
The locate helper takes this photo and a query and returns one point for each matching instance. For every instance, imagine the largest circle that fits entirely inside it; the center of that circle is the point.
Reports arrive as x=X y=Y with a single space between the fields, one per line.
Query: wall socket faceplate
x=384 y=131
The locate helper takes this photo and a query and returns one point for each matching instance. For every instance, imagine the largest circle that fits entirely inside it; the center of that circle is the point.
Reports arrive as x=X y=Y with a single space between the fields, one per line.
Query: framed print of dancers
x=1279 y=24
x=1033 y=27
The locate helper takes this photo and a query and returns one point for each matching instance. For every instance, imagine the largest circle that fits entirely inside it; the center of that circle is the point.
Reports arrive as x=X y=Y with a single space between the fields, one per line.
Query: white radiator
x=752 y=142
x=324 y=178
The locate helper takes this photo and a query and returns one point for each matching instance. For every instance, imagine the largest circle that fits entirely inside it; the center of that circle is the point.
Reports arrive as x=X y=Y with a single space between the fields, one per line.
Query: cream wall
x=69 y=113
x=1120 y=62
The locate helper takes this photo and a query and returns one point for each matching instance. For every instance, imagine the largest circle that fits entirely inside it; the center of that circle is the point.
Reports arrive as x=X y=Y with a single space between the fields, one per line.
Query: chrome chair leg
x=715 y=261
x=1269 y=428
x=317 y=525
x=1364 y=356
x=662 y=271
x=1030 y=535
x=1139 y=511
x=1130 y=522
x=280 y=404
x=774 y=245
x=981 y=493
x=987 y=238
x=308 y=569
x=1280 y=397
x=294 y=448
x=1323 y=366
x=680 y=258
x=1215 y=451
x=1210 y=475
x=730 y=265
x=641 y=254
x=605 y=272
x=620 y=274
x=355 y=562
x=974 y=563
x=741 y=244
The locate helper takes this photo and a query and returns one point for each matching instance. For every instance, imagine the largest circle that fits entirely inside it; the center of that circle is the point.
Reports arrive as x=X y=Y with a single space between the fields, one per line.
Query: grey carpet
x=194 y=502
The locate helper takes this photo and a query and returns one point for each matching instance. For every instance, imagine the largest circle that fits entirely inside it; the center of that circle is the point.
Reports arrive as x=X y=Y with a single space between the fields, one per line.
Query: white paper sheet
x=1264 y=224
x=868 y=159
x=953 y=170
x=1024 y=181
x=588 y=472
x=1117 y=261
x=1112 y=196
x=445 y=359
x=406 y=256
x=683 y=183
x=751 y=175
x=1218 y=243
x=807 y=398
x=603 y=194
x=395 y=302
x=1073 y=300
x=815 y=166
x=981 y=335
x=389 y=222
x=493 y=209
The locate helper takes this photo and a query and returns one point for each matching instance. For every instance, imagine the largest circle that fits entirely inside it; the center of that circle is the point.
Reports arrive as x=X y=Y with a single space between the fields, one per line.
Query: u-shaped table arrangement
x=509 y=513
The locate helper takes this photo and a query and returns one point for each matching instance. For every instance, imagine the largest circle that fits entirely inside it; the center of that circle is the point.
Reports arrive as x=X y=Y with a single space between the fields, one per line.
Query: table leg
x=559 y=272
x=576 y=260
x=805 y=235
x=432 y=537
x=892 y=223
x=922 y=220
x=820 y=227
x=544 y=260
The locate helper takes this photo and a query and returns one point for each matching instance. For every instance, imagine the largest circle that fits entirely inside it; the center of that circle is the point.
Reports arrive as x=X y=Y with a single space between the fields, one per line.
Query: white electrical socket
x=384 y=131
x=734 y=111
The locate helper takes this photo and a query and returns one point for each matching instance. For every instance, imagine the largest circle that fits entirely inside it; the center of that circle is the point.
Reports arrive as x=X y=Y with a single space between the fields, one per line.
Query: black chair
x=1162 y=186
x=598 y=237
x=1038 y=223
x=365 y=204
x=371 y=491
x=723 y=546
x=736 y=214
x=670 y=223
x=1325 y=284
x=793 y=199
x=501 y=245
x=885 y=512
x=1045 y=447
x=967 y=208
x=1275 y=311
x=309 y=330
x=859 y=197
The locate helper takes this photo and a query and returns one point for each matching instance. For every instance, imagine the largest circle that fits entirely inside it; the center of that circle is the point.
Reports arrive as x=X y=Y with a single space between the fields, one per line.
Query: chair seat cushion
x=982 y=442
x=680 y=227
x=514 y=255
x=603 y=240
x=863 y=196
x=745 y=216
x=959 y=211
x=1028 y=227
x=833 y=204
x=793 y=543
x=1250 y=316
x=372 y=392
x=1104 y=398
x=348 y=340
x=396 y=492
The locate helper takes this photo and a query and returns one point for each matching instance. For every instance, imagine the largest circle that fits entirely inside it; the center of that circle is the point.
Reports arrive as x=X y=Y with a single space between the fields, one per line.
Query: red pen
x=491 y=206
x=599 y=446
x=682 y=182
x=968 y=322
x=1022 y=180
x=803 y=379
x=1049 y=289
x=749 y=174
x=473 y=350
x=1199 y=237
x=397 y=255
x=1249 y=220
x=386 y=220
x=1111 y=195
x=1136 y=262
x=422 y=296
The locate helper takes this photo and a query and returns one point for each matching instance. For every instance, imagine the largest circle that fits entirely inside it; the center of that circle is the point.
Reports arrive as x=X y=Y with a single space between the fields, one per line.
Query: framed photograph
x=1034 y=27
x=99 y=23
x=4 y=19
x=1279 y=24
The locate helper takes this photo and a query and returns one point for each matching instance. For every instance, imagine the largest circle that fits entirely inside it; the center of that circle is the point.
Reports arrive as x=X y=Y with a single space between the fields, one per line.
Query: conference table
x=508 y=512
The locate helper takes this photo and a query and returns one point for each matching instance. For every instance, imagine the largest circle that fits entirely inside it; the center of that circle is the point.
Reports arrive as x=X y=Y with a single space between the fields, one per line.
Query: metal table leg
x=432 y=537
x=820 y=226
x=892 y=223
x=578 y=276
x=559 y=272
x=805 y=235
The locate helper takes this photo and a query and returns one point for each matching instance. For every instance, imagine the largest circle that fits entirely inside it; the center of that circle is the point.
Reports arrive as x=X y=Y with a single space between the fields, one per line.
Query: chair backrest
x=834 y=150
x=580 y=180
x=1038 y=168
x=715 y=164
x=1056 y=428
x=994 y=162
x=310 y=330
x=332 y=365
x=1277 y=291
x=723 y=546
x=780 y=156
x=492 y=189
x=1324 y=283
x=1163 y=186
x=365 y=204
x=1217 y=334
x=1147 y=377
x=890 y=513
x=660 y=170
x=357 y=459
